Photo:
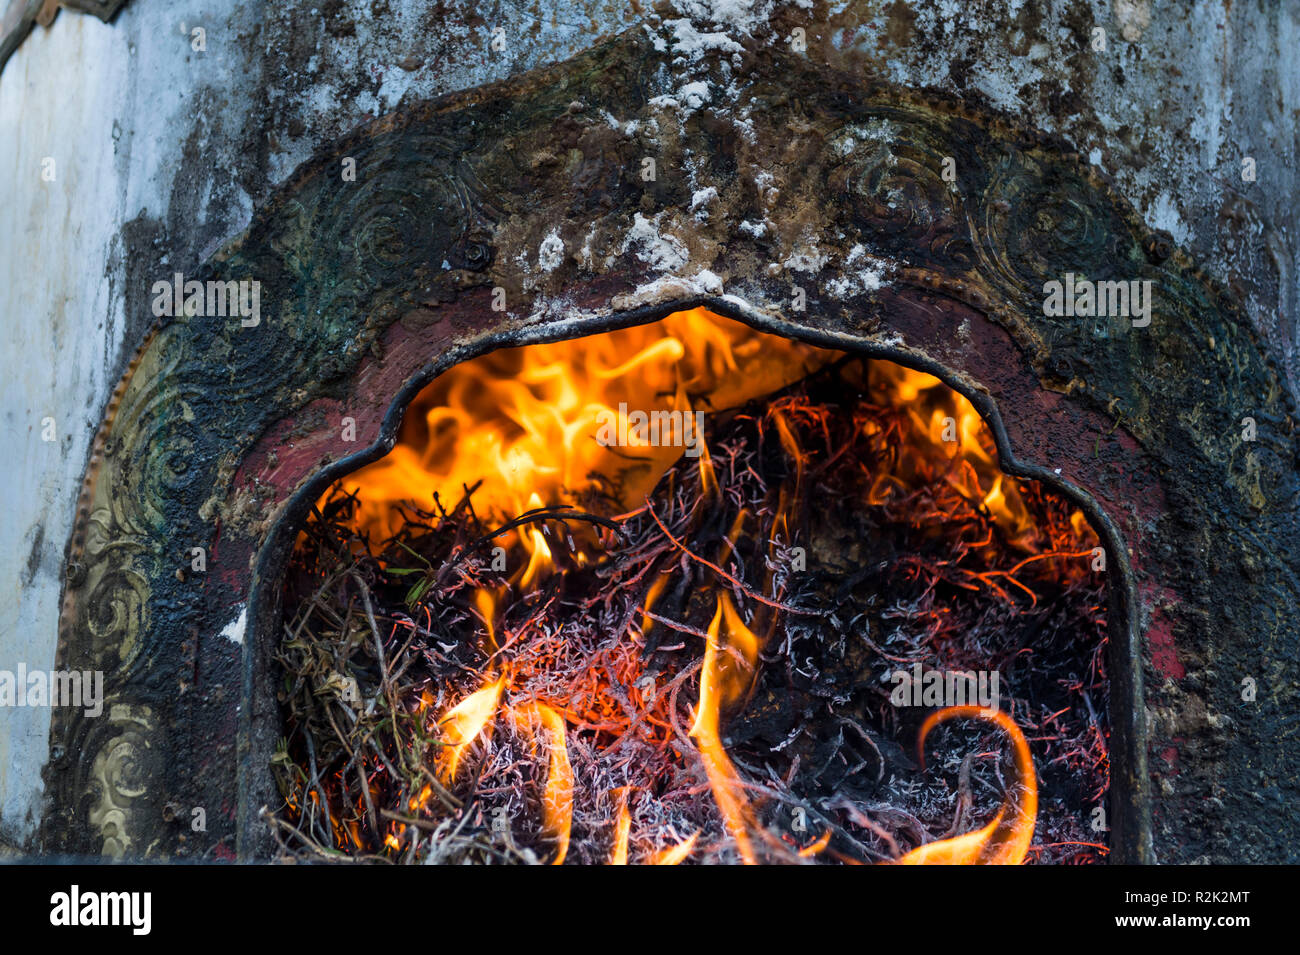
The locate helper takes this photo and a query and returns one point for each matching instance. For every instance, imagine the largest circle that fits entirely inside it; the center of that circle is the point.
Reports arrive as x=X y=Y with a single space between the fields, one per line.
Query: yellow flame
x=1005 y=840
x=677 y=854
x=524 y=424
x=539 y=560
x=957 y=434
x=419 y=802
x=485 y=602
x=525 y=421
x=464 y=722
x=557 y=799
x=622 y=830
x=723 y=680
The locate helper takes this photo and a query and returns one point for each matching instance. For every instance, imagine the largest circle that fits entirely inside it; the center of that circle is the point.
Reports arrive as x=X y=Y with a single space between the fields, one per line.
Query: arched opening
x=689 y=590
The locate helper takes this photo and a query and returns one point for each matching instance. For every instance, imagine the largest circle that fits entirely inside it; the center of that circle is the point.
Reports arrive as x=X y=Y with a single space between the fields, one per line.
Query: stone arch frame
x=218 y=434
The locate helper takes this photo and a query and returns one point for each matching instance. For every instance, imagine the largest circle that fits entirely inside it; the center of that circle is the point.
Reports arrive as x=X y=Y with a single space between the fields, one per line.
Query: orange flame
x=675 y=855
x=525 y=421
x=723 y=680
x=622 y=830
x=524 y=425
x=1005 y=840
x=817 y=846
x=464 y=722
x=557 y=800
x=957 y=434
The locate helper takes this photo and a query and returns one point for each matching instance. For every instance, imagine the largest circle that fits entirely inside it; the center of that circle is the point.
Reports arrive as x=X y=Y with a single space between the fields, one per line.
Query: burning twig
x=538 y=707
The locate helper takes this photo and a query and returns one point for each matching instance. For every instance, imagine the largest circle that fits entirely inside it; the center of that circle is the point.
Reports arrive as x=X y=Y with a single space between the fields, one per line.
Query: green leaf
x=415 y=593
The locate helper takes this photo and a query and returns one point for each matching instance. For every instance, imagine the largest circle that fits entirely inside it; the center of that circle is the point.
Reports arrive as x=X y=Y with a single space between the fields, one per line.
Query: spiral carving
x=116 y=616
x=1036 y=224
x=120 y=772
x=408 y=215
x=893 y=184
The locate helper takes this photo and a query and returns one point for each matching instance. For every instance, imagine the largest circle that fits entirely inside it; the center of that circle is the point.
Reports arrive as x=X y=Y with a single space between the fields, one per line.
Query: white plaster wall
x=62 y=330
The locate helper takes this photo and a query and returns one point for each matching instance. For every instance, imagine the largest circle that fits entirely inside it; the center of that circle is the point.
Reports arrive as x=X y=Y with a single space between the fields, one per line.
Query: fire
x=726 y=676
x=959 y=442
x=557 y=801
x=521 y=428
x=540 y=558
x=1005 y=840
x=522 y=423
x=622 y=831
x=675 y=855
x=465 y=721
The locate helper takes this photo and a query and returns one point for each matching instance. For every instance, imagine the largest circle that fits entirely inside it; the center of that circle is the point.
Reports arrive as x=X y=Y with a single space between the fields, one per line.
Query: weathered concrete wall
x=1181 y=95
x=161 y=153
